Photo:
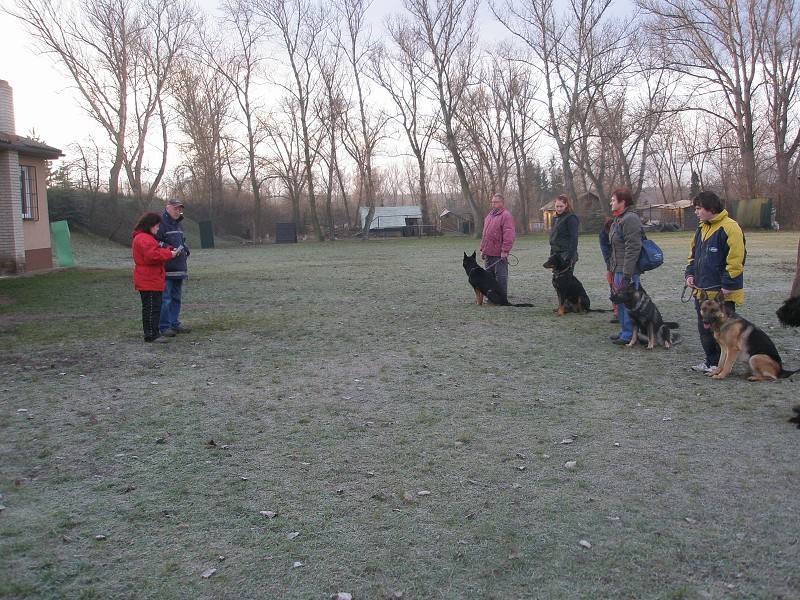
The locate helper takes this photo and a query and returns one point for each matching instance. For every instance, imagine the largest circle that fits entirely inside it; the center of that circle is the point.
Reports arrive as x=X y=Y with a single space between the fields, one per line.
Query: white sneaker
x=704 y=368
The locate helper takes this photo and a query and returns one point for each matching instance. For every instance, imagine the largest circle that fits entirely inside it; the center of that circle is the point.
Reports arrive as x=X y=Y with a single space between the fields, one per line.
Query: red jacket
x=498 y=233
x=148 y=260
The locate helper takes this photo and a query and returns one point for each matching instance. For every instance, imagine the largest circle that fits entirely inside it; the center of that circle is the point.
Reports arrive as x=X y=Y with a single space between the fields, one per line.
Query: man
x=497 y=240
x=716 y=266
x=170 y=232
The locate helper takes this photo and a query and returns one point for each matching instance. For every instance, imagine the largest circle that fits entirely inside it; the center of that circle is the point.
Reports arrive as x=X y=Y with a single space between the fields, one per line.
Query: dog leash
x=510 y=264
x=684 y=299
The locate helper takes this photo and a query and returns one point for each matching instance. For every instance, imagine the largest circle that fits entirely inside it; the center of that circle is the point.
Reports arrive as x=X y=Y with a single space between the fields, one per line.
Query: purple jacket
x=498 y=233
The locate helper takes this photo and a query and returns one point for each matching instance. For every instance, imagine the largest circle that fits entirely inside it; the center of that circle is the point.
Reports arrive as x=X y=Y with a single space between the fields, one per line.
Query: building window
x=30 y=199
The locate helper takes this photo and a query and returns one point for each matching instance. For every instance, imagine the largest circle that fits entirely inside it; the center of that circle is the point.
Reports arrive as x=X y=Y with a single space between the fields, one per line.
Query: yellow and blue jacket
x=716 y=257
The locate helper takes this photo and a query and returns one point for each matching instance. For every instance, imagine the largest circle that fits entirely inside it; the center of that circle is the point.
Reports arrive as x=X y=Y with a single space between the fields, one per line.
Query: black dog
x=789 y=312
x=572 y=296
x=645 y=316
x=484 y=283
x=796 y=418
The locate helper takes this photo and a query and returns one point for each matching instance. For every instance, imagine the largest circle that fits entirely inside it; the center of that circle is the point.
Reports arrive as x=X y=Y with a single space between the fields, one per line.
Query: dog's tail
x=796 y=418
x=672 y=324
x=520 y=304
x=784 y=374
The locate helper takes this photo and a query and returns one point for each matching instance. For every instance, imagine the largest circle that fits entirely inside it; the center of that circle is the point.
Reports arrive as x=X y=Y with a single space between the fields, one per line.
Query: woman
x=605 y=248
x=149 y=258
x=564 y=234
x=625 y=236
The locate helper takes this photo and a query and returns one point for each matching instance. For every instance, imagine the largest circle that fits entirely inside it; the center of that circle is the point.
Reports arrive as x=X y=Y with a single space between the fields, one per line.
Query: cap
x=174 y=202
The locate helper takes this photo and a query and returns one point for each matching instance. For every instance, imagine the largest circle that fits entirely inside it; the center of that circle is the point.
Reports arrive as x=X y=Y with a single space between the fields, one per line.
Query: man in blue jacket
x=170 y=232
x=715 y=266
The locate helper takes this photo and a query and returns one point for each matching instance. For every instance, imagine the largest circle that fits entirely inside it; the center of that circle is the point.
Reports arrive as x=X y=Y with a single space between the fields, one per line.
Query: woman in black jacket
x=564 y=234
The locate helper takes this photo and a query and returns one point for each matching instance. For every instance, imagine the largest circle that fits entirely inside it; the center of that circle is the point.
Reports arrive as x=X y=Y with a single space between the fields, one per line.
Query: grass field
x=343 y=418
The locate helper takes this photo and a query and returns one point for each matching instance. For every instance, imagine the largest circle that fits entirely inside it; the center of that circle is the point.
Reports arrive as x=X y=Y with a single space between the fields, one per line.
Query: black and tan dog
x=740 y=340
x=646 y=317
x=571 y=294
x=484 y=283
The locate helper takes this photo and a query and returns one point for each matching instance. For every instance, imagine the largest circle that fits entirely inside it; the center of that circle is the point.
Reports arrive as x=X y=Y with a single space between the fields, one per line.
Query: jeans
x=499 y=268
x=171 y=305
x=625 y=322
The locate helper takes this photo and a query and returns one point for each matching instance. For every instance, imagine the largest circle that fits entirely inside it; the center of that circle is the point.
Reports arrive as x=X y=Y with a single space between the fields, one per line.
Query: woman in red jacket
x=149 y=258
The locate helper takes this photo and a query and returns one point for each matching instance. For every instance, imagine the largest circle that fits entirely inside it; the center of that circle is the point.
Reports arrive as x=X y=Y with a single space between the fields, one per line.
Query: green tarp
x=60 y=233
x=754 y=213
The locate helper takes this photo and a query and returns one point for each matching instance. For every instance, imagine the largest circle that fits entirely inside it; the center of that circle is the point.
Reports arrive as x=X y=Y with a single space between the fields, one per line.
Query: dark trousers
x=499 y=268
x=707 y=341
x=151 y=310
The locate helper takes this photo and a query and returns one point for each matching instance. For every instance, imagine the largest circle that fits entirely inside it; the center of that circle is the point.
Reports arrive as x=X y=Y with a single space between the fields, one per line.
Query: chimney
x=6 y=108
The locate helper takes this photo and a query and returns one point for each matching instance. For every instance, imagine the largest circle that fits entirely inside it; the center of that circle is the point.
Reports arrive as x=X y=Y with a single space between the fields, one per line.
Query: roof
x=676 y=204
x=389 y=217
x=28 y=147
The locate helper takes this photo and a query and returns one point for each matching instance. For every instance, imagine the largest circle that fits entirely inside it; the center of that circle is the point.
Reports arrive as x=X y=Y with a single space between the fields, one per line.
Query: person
x=564 y=233
x=149 y=258
x=171 y=233
x=715 y=264
x=497 y=240
x=625 y=236
x=605 y=249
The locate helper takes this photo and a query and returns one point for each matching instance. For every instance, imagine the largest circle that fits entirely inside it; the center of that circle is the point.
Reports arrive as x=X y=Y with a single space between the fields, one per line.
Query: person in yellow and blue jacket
x=716 y=266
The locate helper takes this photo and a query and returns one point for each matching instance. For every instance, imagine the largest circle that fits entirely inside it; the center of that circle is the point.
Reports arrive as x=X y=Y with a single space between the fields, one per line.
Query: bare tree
x=781 y=72
x=483 y=134
x=241 y=61
x=363 y=133
x=120 y=54
x=203 y=98
x=300 y=27
x=578 y=53
x=715 y=42
x=447 y=30
x=514 y=87
x=331 y=109
x=399 y=71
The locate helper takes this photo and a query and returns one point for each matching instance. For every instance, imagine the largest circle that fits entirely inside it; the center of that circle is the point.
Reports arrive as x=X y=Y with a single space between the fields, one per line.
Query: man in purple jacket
x=497 y=240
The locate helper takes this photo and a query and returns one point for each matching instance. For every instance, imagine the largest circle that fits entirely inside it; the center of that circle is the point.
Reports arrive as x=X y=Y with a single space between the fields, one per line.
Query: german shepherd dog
x=572 y=296
x=740 y=340
x=484 y=283
x=789 y=312
x=645 y=316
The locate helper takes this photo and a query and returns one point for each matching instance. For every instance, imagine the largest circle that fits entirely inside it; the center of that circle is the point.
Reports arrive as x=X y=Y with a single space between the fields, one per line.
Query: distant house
x=392 y=220
x=678 y=214
x=24 y=222
x=452 y=221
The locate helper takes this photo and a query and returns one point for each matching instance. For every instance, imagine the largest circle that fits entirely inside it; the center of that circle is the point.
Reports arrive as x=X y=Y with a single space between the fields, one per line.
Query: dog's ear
x=473 y=254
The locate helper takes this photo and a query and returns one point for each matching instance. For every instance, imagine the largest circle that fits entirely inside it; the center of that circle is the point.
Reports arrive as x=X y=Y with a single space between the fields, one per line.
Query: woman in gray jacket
x=625 y=236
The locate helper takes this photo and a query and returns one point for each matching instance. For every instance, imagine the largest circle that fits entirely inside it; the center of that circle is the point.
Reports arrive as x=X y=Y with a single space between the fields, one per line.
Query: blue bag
x=651 y=256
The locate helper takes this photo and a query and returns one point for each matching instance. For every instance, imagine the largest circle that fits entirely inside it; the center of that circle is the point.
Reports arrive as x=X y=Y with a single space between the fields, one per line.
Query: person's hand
x=483 y=256
x=504 y=256
x=723 y=292
x=690 y=281
x=175 y=252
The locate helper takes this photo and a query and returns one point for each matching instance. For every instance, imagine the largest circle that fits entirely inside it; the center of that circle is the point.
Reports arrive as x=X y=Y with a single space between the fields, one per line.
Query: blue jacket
x=716 y=257
x=170 y=232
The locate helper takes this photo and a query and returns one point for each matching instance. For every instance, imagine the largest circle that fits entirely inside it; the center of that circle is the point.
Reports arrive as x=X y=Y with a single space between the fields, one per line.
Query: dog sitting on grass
x=572 y=296
x=484 y=283
x=740 y=340
x=646 y=317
